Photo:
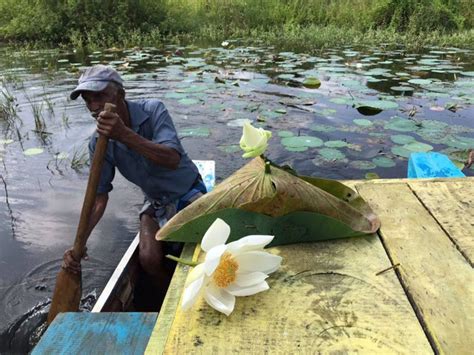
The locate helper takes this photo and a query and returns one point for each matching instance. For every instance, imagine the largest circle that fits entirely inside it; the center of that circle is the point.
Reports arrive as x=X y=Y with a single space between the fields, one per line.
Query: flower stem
x=267 y=168
x=182 y=261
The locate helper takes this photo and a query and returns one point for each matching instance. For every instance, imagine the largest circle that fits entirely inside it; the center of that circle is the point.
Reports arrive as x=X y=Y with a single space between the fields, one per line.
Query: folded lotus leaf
x=277 y=193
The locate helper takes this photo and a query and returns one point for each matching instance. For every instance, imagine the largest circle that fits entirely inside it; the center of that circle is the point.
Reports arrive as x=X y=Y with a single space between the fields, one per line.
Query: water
x=209 y=93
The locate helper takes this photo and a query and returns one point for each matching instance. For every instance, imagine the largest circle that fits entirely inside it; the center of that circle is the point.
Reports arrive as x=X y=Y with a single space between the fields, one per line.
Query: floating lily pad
x=322 y=128
x=384 y=162
x=402 y=88
x=362 y=122
x=296 y=149
x=188 y=101
x=335 y=144
x=239 y=122
x=402 y=139
x=418 y=147
x=195 y=132
x=6 y=141
x=229 y=148
x=420 y=81
x=33 y=151
x=302 y=141
x=372 y=176
x=175 y=95
x=285 y=134
x=373 y=107
x=312 y=83
x=467 y=73
x=362 y=164
x=281 y=111
x=331 y=154
x=401 y=151
x=401 y=124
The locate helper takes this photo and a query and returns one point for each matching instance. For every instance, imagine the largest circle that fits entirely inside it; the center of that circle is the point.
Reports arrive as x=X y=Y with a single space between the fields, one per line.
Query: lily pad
x=401 y=124
x=362 y=164
x=467 y=73
x=402 y=139
x=336 y=144
x=420 y=81
x=195 y=132
x=188 y=101
x=33 y=151
x=229 y=148
x=302 y=141
x=322 y=128
x=383 y=162
x=6 y=141
x=372 y=176
x=312 y=83
x=362 y=122
x=401 y=151
x=330 y=154
x=285 y=134
x=373 y=107
x=418 y=147
x=402 y=88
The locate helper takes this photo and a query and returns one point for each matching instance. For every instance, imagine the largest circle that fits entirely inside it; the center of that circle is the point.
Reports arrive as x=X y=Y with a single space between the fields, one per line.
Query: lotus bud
x=254 y=141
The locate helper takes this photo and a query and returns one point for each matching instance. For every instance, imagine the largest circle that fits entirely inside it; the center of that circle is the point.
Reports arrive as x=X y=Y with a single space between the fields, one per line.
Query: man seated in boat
x=144 y=147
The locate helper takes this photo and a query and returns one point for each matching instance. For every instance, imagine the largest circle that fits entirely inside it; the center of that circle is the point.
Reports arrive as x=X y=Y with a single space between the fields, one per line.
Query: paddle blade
x=67 y=294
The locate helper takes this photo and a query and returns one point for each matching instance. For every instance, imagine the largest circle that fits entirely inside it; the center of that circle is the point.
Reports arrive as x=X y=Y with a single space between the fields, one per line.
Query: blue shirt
x=151 y=120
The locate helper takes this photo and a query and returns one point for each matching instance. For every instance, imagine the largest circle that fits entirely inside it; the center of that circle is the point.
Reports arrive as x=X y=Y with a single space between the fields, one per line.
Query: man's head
x=97 y=85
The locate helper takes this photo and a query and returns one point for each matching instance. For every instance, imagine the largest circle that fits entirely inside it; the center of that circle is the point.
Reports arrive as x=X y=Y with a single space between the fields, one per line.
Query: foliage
x=140 y=22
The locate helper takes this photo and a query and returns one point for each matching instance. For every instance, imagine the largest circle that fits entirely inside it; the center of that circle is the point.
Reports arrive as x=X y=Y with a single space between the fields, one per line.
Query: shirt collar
x=136 y=114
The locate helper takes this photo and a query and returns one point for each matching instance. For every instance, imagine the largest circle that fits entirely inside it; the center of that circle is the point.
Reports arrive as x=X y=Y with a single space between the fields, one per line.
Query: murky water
x=372 y=109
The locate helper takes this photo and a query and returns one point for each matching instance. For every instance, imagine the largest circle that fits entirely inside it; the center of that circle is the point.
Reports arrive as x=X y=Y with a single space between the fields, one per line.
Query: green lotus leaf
x=383 y=162
x=402 y=139
x=275 y=194
x=312 y=83
x=373 y=107
x=302 y=141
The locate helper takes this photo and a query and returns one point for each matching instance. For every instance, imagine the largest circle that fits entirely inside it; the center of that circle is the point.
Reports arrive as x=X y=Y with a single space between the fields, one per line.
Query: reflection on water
x=373 y=108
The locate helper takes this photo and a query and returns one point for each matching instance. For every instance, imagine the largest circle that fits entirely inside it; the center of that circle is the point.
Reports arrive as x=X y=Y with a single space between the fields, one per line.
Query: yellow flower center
x=226 y=271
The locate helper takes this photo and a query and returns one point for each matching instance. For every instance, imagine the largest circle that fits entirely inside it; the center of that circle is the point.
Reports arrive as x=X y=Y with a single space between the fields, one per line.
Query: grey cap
x=96 y=78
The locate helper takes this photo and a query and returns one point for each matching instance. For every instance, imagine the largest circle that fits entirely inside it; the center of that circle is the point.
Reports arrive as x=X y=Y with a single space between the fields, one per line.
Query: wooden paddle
x=68 y=290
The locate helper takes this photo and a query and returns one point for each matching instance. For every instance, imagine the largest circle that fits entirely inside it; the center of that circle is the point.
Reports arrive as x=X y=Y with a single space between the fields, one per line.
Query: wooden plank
x=97 y=333
x=326 y=298
x=170 y=304
x=452 y=204
x=436 y=276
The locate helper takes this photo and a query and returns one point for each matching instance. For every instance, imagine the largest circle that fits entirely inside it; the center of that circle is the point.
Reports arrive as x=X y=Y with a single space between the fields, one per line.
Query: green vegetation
x=302 y=23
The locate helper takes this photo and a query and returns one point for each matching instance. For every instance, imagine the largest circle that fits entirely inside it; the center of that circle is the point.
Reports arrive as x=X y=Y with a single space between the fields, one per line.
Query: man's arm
x=69 y=263
x=110 y=125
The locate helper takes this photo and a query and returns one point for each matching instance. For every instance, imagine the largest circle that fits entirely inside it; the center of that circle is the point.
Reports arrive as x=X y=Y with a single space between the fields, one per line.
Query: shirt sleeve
x=108 y=169
x=164 y=131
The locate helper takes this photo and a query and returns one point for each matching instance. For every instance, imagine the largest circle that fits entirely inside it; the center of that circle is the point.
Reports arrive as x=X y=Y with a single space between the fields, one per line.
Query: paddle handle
x=91 y=192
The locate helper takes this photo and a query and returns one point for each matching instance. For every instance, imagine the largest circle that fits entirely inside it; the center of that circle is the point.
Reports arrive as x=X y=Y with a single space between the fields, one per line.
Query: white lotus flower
x=224 y=44
x=254 y=141
x=235 y=269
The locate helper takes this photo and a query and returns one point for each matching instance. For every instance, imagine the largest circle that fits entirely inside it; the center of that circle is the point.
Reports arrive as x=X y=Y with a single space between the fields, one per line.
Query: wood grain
x=434 y=273
x=326 y=298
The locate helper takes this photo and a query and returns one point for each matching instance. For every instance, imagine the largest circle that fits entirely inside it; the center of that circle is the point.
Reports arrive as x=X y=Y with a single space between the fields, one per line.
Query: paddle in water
x=68 y=290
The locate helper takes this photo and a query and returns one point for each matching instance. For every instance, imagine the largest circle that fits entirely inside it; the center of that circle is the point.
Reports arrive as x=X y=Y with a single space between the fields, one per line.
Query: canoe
x=121 y=292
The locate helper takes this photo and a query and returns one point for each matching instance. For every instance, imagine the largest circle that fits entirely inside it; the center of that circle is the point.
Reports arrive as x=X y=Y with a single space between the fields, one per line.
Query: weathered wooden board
x=326 y=298
x=170 y=304
x=436 y=276
x=97 y=333
x=452 y=204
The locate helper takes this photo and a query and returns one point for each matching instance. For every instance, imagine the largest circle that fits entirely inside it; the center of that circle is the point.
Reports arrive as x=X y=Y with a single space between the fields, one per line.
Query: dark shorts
x=162 y=213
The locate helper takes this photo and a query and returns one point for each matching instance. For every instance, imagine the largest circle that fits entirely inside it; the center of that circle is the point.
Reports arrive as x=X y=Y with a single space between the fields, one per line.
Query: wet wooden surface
x=327 y=296
x=97 y=333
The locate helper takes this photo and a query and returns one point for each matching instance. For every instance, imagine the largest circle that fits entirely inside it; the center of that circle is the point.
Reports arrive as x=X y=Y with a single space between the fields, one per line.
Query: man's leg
x=152 y=256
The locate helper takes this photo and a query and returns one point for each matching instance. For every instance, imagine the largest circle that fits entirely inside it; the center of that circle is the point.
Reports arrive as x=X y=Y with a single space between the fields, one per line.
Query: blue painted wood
x=97 y=333
x=432 y=165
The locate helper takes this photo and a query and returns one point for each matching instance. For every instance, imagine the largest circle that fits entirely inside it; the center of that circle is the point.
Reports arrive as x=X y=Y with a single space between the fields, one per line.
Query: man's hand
x=70 y=264
x=111 y=125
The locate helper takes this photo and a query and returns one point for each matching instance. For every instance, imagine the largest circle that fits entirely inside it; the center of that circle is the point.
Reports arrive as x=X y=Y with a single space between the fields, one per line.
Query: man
x=144 y=147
